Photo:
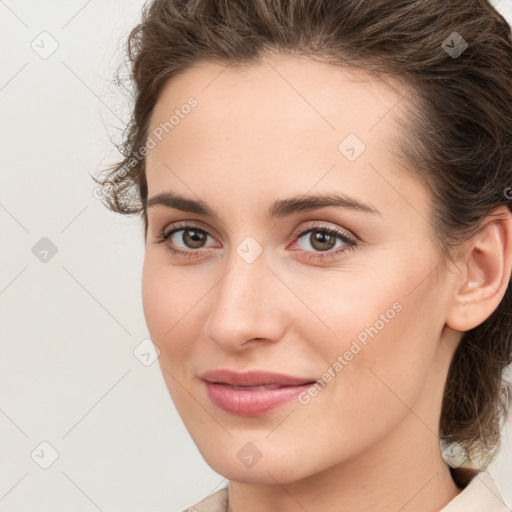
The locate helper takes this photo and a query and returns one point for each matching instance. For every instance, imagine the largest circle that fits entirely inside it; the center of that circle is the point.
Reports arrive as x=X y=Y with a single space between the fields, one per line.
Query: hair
x=457 y=141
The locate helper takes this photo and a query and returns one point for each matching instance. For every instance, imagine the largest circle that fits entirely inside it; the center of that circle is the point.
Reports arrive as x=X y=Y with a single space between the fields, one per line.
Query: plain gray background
x=70 y=284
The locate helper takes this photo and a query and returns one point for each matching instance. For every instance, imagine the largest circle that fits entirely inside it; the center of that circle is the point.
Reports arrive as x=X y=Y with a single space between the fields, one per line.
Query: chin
x=261 y=473
x=248 y=464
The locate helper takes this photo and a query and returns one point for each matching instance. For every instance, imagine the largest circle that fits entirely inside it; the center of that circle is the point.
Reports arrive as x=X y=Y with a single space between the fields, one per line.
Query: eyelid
x=349 y=242
x=183 y=224
x=313 y=225
x=299 y=231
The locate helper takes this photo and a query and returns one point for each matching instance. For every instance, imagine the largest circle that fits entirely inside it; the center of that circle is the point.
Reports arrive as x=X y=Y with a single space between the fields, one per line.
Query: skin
x=368 y=440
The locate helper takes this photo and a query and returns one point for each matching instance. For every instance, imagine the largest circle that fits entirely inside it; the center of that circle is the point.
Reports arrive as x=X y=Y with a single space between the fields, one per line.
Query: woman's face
x=257 y=284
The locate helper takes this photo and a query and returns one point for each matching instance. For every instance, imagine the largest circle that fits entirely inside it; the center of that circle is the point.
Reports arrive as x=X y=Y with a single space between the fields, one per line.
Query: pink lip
x=280 y=390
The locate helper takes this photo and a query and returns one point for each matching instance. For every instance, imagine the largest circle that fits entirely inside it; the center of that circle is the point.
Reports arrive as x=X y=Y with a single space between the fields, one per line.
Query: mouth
x=249 y=388
x=254 y=378
x=252 y=393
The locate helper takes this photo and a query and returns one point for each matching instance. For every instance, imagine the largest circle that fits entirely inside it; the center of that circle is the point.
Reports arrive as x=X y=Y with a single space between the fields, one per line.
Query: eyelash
x=349 y=242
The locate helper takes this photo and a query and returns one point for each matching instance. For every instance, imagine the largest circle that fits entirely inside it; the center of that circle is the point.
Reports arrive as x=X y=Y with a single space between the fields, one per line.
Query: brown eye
x=193 y=238
x=184 y=240
x=322 y=240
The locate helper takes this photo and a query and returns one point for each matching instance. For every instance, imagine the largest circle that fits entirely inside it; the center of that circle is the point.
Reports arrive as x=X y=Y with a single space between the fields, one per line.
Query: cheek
x=383 y=355
x=172 y=309
x=166 y=303
x=154 y=300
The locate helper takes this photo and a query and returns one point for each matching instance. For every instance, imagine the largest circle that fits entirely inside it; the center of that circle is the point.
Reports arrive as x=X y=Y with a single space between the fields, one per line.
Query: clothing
x=480 y=495
x=216 y=502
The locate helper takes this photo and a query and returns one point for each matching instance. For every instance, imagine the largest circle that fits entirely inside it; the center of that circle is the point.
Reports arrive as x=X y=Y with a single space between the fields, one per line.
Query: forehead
x=286 y=120
x=288 y=85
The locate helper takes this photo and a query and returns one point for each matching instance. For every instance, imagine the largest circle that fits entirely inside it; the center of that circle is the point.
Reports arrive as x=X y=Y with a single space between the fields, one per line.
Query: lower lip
x=252 y=402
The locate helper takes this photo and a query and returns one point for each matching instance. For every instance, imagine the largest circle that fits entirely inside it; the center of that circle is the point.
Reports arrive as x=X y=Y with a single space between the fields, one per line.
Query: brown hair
x=458 y=139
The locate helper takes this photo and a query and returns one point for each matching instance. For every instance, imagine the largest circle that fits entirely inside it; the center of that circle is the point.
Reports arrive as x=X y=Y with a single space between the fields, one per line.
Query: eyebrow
x=280 y=208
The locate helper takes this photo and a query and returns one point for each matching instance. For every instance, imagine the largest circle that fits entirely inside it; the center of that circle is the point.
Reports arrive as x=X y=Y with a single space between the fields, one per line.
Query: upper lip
x=253 y=378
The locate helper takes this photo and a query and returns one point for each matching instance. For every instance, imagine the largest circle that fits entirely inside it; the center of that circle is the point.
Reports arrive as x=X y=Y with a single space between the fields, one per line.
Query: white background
x=68 y=375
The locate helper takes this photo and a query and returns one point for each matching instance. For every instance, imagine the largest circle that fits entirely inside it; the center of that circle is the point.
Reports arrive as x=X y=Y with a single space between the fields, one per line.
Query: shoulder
x=216 y=502
x=479 y=494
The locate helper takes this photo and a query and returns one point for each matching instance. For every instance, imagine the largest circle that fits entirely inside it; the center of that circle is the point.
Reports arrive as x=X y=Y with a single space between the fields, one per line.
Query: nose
x=248 y=306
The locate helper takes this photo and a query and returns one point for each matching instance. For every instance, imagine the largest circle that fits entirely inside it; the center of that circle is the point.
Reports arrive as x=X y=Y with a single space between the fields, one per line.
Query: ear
x=485 y=270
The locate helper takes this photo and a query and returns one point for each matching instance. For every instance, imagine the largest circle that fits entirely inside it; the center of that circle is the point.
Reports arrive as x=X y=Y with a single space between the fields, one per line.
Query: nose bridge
x=245 y=303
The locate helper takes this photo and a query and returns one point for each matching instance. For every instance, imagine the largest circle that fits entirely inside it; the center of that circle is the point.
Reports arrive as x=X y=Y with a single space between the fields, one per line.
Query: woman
x=326 y=194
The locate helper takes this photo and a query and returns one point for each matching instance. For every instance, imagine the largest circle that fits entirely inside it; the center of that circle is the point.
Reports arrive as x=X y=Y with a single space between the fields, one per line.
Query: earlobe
x=485 y=272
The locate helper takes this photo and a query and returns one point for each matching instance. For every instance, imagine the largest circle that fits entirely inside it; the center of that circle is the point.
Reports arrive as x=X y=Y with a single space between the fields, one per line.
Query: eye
x=191 y=236
x=323 y=239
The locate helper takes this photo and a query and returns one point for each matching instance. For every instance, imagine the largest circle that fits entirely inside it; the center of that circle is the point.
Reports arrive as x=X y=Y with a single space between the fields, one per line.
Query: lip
x=225 y=389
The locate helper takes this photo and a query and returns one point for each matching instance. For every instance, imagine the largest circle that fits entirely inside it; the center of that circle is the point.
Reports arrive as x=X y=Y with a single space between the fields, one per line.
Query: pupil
x=322 y=238
x=195 y=239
